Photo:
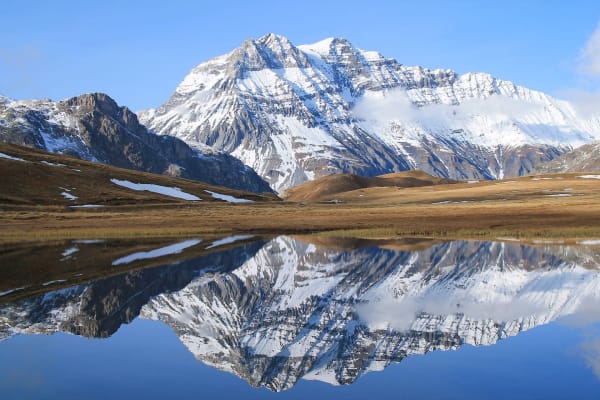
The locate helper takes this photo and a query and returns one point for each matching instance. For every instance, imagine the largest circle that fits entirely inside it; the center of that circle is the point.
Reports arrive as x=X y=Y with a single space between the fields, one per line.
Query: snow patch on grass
x=162 y=251
x=52 y=164
x=227 y=198
x=2 y=155
x=164 y=190
x=589 y=176
x=69 y=196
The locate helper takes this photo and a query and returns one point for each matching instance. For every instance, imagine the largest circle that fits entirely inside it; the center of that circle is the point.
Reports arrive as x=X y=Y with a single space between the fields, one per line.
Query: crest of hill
x=324 y=188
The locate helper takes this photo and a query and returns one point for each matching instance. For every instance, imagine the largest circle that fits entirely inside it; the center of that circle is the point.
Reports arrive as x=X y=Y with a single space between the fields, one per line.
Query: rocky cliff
x=94 y=127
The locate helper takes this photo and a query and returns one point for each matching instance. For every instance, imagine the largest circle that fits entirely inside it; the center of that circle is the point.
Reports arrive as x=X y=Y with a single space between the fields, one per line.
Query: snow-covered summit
x=294 y=113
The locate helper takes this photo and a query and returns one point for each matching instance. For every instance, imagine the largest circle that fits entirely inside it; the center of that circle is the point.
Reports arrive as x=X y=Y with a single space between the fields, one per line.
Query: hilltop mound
x=325 y=188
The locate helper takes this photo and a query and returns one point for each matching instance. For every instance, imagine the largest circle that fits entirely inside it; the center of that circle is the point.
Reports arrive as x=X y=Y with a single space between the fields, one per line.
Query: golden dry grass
x=330 y=186
x=524 y=207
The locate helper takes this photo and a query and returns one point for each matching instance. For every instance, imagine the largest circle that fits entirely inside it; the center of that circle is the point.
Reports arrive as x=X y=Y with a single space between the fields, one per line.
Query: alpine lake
x=297 y=317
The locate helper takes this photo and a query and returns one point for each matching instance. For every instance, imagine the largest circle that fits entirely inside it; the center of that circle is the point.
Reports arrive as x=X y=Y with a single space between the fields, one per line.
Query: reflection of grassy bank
x=37 y=268
x=48 y=233
x=569 y=234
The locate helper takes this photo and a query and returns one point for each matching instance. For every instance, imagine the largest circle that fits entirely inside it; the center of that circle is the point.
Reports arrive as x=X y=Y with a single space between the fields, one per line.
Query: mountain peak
x=99 y=101
x=273 y=39
x=325 y=47
x=295 y=113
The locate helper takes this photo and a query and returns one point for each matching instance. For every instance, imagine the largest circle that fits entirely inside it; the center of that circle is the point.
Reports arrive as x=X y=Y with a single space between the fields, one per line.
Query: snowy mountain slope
x=95 y=128
x=294 y=113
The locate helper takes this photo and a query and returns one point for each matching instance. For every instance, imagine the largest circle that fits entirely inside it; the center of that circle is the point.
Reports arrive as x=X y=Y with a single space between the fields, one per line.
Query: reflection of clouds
x=587 y=313
x=401 y=313
x=590 y=350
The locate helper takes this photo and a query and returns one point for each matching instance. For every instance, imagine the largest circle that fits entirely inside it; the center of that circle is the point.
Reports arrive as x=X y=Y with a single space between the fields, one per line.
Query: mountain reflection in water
x=273 y=312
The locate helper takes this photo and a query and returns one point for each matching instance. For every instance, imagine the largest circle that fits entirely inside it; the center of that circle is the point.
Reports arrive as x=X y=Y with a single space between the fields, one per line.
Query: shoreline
x=514 y=220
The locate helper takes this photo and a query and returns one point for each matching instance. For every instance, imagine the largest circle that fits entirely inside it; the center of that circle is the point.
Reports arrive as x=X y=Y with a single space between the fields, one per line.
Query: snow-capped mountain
x=290 y=310
x=294 y=113
x=95 y=128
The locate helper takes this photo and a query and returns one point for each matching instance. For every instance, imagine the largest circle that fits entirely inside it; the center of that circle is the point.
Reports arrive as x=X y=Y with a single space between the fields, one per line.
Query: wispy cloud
x=590 y=350
x=589 y=58
x=396 y=106
x=586 y=98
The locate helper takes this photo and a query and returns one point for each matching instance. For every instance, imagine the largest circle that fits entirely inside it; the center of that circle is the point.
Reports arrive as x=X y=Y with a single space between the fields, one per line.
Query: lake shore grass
x=518 y=220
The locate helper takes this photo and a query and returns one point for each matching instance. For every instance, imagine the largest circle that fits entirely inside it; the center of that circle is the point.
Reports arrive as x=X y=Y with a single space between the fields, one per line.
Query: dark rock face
x=94 y=127
x=582 y=159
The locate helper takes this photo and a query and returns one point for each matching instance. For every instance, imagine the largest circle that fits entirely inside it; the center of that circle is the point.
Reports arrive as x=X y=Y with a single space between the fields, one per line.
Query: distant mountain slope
x=296 y=113
x=34 y=177
x=584 y=158
x=326 y=187
x=95 y=128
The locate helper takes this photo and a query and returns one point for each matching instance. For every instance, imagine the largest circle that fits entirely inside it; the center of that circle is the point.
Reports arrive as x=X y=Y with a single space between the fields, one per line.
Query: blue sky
x=138 y=51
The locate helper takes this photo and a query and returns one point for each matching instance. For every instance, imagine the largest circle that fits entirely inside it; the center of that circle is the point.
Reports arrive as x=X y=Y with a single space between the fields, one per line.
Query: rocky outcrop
x=295 y=113
x=94 y=127
x=582 y=159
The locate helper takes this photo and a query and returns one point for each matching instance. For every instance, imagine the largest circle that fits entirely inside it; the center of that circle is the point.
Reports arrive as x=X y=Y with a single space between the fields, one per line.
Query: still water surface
x=296 y=317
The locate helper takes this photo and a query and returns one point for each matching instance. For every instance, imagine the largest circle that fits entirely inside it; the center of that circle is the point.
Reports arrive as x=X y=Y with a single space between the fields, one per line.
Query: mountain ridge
x=295 y=113
x=94 y=127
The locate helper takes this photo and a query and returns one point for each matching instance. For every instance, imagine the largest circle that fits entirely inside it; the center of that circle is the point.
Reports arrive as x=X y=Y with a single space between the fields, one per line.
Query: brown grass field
x=32 y=209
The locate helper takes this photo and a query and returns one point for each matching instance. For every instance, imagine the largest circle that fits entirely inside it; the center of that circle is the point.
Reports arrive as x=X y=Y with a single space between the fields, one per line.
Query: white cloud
x=396 y=106
x=390 y=106
x=586 y=104
x=589 y=58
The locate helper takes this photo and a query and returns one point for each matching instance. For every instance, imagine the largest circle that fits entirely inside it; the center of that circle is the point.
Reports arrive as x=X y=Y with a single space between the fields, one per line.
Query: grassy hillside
x=36 y=178
x=32 y=207
x=327 y=188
